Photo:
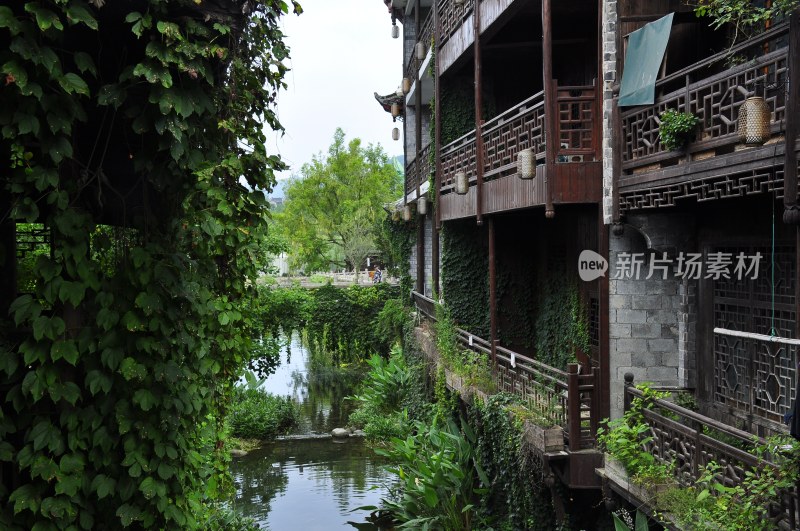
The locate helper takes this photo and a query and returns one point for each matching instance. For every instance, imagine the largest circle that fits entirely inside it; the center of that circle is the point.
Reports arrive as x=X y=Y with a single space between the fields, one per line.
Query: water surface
x=313 y=484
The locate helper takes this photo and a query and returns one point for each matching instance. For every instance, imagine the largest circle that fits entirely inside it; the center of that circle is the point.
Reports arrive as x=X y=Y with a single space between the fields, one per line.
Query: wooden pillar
x=421 y=254
x=492 y=289
x=418 y=160
x=791 y=213
x=476 y=17
x=551 y=139
x=616 y=159
x=437 y=148
x=603 y=381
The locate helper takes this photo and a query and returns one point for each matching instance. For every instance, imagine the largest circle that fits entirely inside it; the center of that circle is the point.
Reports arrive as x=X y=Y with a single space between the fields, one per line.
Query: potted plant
x=677 y=129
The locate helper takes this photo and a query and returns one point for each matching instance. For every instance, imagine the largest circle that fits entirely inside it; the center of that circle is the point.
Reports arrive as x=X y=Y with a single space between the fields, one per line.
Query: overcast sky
x=341 y=53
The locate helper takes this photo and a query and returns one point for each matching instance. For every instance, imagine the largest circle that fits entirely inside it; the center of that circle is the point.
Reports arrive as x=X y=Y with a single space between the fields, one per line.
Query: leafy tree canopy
x=335 y=205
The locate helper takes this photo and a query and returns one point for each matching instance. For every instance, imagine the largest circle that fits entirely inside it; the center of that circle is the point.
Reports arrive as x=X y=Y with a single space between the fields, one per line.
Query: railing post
x=573 y=407
x=594 y=406
x=626 y=397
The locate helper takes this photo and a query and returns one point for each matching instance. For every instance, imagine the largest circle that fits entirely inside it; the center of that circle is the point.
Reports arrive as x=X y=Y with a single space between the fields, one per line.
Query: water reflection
x=313 y=484
x=309 y=484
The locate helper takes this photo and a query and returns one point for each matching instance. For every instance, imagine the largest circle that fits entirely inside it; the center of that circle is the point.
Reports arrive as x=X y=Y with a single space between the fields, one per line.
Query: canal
x=315 y=483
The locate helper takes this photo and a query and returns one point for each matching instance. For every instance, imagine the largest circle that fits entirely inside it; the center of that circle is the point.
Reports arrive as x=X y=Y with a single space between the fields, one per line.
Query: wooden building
x=514 y=129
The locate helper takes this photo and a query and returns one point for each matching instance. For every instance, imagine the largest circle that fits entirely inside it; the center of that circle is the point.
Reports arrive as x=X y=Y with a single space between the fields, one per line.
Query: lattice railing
x=451 y=17
x=425 y=36
x=577 y=112
x=518 y=128
x=715 y=98
x=565 y=398
x=682 y=438
x=419 y=173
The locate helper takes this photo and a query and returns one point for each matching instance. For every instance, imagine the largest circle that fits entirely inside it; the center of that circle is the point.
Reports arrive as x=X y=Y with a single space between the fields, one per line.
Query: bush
x=438 y=477
x=381 y=396
x=256 y=414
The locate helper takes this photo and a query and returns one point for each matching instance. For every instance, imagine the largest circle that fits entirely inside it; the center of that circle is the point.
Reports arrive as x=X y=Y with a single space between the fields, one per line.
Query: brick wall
x=609 y=79
x=651 y=321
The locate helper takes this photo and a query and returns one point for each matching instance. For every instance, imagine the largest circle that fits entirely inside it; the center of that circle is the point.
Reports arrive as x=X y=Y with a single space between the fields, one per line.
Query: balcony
x=417 y=175
x=576 y=173
x=689 y=441
x=713 y=166
x=568 y=399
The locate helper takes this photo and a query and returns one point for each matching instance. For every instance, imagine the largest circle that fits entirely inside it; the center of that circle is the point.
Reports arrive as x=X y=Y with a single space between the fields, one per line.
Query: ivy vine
x=117 y=370
x=465 y=275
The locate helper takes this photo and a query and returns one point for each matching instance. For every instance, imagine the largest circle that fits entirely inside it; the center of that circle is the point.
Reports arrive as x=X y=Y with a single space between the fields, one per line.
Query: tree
x=357 y=240
x=350 y=183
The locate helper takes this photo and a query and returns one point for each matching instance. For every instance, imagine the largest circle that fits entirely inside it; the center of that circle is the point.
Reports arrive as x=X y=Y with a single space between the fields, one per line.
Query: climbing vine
x=117 y=371
x=465 y=276
x=561 y=324
x=517 y=494
x=395 y=240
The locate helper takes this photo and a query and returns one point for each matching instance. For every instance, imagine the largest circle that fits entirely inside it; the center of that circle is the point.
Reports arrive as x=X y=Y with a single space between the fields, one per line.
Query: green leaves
x=116 y=352
x=45 y=18
x=79 y=14
x=73 y=83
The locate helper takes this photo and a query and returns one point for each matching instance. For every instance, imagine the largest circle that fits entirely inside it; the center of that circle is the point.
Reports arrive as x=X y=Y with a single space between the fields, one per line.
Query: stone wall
x=609 y=28
x=651 y=320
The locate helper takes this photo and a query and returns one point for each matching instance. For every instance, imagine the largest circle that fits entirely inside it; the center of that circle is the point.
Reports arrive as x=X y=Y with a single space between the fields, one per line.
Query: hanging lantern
x=526 y=164
x=399 y=92
x=422 y=205
x=462 y=183
x=395 y=134
x=407 y=212
x=406 y=85
x=395 y=110
x=419 y=50
x=753 y=124
x=395 y=31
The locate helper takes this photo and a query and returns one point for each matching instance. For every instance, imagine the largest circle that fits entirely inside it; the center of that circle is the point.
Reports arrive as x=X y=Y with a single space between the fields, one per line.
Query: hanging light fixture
x=753 y=123
x=406 y=85
x=399 y=92
x=526 y=166
x=422 y=205
x=395 y=134
x=461 y=183
x=419 y=50
x=407 y=212
x=395 y=31
x=395 y=110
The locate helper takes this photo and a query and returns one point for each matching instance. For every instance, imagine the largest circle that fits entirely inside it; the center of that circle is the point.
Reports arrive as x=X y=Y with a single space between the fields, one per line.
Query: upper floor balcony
x=714 y=164
x=573 y=177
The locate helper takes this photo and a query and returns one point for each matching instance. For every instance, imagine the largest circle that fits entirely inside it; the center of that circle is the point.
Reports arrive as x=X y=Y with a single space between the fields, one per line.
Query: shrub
x=256 y=414
x=677 y=128
x=438 y=478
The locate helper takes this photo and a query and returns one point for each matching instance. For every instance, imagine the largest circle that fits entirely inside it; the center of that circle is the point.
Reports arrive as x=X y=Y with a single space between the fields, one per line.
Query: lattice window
x=749 y=375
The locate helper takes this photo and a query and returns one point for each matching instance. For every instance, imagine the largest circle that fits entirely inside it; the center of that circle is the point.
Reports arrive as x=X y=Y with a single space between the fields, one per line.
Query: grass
x=256 y=414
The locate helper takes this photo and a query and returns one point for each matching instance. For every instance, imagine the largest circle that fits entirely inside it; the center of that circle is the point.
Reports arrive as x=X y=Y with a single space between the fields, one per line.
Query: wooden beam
x=476 y=18
x=549 y=106
x=437 y=149
x=791 y=213
x=492 y=288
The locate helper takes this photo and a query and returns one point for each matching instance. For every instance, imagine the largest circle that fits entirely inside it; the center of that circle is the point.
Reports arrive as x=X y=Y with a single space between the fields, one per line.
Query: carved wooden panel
x=706 y=189
x=752 y=376
x=451 y=17
x=576 y=115
x=714 y=99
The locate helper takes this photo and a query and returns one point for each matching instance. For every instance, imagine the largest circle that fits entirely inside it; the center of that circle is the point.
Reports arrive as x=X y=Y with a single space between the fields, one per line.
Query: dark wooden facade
x=533 y=66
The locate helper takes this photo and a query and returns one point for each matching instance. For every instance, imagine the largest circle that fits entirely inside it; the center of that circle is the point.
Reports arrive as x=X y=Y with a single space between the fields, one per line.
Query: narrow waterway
x=310 y=484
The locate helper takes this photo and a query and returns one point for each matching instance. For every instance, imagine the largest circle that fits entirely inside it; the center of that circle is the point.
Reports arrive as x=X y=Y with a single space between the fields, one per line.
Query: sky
x=341 y=53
